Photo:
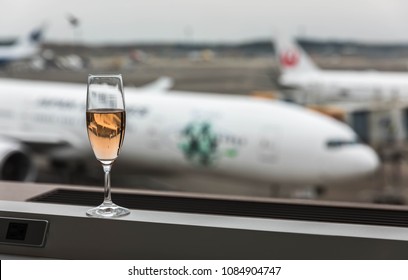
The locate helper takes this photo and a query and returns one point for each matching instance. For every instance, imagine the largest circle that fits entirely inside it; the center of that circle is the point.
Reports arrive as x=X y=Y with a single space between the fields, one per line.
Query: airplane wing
x=159 y=85
x=37 y=142
x=31 y=138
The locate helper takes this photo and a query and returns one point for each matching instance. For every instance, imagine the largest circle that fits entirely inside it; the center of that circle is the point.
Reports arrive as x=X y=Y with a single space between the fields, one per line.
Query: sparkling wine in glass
x=106 y=123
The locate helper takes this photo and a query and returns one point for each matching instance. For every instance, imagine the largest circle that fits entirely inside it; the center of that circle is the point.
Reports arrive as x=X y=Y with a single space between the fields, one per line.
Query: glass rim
x=104 y=75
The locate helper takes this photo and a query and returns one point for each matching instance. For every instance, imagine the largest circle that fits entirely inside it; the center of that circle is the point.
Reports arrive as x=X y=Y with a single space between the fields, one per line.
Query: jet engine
x=15 y=162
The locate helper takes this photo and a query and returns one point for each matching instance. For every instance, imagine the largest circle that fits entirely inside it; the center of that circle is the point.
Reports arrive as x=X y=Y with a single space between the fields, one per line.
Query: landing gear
x=309 y=192
x=305 y=192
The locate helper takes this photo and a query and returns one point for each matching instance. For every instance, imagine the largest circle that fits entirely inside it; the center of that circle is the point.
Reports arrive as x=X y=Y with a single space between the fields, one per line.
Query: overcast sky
x=209 y=20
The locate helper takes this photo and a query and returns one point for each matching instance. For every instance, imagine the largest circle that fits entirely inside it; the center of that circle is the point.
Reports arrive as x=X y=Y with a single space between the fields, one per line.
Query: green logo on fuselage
x=199 y=143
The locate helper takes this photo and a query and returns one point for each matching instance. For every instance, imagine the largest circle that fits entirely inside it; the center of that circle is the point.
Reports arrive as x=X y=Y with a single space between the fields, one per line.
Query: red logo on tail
x=289 y=58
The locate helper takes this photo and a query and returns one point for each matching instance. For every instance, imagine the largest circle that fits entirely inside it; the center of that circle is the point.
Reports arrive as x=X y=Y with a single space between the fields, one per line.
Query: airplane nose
x=367 y=161
x=350 y=163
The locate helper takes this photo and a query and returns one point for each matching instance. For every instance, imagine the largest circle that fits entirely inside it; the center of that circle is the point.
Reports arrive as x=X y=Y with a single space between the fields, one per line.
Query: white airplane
x=299 y=72
x=21 y=48
x=264 y=140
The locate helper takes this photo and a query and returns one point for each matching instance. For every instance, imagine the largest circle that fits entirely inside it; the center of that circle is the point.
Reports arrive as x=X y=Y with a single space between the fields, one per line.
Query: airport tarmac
x=226 y=76
x=375 y=188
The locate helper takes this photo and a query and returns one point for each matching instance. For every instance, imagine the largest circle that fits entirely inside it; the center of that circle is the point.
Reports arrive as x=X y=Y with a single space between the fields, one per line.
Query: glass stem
x=107 y=169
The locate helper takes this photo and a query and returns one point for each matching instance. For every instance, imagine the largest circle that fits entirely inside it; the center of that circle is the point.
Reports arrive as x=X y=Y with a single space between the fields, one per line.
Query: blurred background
x=230 y=48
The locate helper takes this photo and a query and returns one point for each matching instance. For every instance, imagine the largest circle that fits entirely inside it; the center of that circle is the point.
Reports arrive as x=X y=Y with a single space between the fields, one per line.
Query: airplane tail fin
x=34 y=37
x=292 y=58
x=23 y=47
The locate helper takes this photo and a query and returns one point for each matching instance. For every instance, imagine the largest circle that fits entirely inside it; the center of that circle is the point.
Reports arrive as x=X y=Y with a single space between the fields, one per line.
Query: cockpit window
x=337 y=143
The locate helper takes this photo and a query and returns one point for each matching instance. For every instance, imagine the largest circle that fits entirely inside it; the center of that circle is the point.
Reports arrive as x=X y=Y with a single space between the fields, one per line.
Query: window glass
x=233 y=98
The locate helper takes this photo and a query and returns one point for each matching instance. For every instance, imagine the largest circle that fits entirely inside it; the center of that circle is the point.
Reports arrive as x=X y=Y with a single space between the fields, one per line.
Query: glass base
x=108 y=210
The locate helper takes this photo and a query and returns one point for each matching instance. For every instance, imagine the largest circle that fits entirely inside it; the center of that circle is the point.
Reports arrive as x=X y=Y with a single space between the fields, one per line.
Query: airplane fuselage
x=239 y=136
x=350 y=85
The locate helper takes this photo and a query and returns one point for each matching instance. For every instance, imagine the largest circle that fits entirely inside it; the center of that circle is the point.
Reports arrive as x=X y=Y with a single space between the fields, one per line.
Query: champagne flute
x=106 y=122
